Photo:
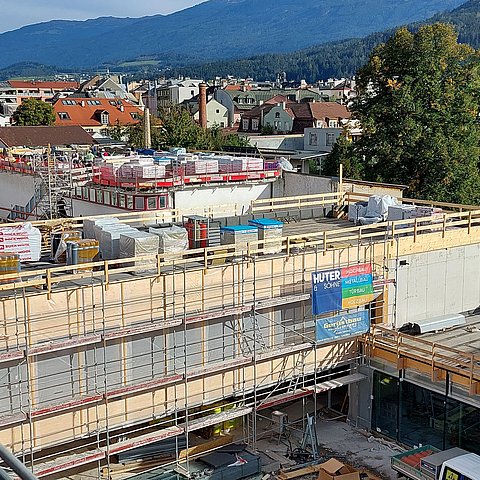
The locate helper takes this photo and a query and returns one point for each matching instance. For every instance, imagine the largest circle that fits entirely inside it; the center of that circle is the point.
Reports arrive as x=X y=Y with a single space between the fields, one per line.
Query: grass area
x=139 y=63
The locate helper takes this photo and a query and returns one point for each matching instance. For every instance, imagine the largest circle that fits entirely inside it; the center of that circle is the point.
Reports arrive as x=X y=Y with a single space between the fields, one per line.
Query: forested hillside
x=337 y=59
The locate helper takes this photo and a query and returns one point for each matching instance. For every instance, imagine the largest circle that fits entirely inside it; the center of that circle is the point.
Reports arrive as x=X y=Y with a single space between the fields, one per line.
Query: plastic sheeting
x=356 y=210
x=24 y=240
x=377 y=209
x=136 y=244
x=89 y=224
x=109 y=239
x=171 y=240
x=286 y=165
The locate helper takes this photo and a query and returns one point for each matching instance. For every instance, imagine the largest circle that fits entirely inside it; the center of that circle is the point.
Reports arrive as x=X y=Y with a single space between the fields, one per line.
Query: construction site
x=217 y=346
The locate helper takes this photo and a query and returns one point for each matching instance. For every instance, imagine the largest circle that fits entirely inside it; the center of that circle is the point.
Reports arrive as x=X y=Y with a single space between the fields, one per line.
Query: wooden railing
x=139 y=217
x=352 y=197
x=433 y=355
x=210 y=256
x=300 y=202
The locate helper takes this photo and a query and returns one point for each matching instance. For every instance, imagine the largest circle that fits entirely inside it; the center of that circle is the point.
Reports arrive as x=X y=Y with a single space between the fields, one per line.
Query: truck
x=429 y=463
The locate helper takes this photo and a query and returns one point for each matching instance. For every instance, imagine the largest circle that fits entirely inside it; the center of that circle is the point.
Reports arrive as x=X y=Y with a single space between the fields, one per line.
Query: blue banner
x=342 y=326
x=342 y=288
x=326 y=291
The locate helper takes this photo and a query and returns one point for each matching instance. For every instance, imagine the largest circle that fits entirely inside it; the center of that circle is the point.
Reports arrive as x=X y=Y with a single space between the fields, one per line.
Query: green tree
x=33 y=112
x=418 y=105
x=343 y=152
x=178 y=129
x=175 y=127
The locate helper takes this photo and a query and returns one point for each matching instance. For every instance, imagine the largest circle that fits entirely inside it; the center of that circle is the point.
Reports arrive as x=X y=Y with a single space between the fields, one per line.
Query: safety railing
x=302 y=202
x=433 y=355
x=210 y=257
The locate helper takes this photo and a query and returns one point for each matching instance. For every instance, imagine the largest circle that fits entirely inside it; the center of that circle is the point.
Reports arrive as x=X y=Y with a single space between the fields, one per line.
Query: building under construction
x=101 y=358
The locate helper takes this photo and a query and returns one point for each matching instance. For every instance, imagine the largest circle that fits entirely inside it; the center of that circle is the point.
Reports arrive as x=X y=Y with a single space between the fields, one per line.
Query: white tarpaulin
x=136 y=244
x=109 y=239
x=171 y=240
x=24 y=240
x=89 y=225
x=377 y=209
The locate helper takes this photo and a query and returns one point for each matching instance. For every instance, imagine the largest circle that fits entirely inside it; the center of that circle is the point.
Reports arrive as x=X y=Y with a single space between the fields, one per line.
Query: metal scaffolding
x=112 y=357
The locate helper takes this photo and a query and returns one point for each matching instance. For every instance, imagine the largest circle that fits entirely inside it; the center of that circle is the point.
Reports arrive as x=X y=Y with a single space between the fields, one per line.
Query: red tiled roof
x=44 y=136
x=44 y=85
x=321 y=110
x=87 y=111
x=235 y=88
x=301 y=110
x=278 y=99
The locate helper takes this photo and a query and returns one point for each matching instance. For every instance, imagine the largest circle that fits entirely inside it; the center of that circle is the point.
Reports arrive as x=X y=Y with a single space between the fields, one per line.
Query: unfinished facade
x=99 y=359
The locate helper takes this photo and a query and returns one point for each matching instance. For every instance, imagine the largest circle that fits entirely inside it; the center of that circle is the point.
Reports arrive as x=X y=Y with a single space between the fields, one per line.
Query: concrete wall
x=242 y=195
x=320 y=139
x=293 y=184
x=435 y=283
x=16 y=190
x=277 y=142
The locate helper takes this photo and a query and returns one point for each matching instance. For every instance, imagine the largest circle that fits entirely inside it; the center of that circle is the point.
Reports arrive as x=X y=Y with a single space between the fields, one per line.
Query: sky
x=17 y=13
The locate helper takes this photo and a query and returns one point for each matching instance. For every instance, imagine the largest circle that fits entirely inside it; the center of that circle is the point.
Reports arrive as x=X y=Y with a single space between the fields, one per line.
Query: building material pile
x=24 y=240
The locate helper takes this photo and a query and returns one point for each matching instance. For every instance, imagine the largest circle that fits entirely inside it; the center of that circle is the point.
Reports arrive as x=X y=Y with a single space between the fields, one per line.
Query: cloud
x=25 y=12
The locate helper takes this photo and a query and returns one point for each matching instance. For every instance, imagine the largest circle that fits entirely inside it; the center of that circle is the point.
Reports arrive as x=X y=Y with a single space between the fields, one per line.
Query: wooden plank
x=284 y=461
x=300 y=472
x=207 y=446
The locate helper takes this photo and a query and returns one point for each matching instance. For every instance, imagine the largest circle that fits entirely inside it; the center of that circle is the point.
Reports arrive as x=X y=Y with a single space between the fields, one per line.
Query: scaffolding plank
x=121 y=392
x=280 y=352
x=218 y=418
x=66 y=463
x=219 y=367
x=285 y=397
x=339 y=382
x=13 y=419
x=145 y=439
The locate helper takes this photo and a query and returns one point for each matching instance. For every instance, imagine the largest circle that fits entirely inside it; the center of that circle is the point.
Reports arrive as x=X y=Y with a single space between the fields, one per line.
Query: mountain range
x=334 y=59
x=216 y=29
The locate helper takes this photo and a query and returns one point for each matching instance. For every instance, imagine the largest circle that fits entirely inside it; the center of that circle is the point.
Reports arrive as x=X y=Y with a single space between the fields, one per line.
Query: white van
x=463 y=467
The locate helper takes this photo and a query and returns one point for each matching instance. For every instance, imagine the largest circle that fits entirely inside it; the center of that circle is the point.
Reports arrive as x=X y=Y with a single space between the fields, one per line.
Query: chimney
x=202 y=105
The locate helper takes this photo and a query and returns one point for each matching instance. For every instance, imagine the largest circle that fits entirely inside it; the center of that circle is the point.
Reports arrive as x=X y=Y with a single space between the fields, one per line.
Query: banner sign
x=341 y=288
x=342 y=326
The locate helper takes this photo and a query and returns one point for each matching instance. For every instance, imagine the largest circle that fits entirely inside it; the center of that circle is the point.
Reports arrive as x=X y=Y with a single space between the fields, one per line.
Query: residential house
x=14 y=92
x=318 y=115
x=338 y=90
x=145 y=94
x=240 y=99
x=104 y=87
x=174 y=92
x=217 y=114
x=273 y=114
x=329 y=121
x=96 y=115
